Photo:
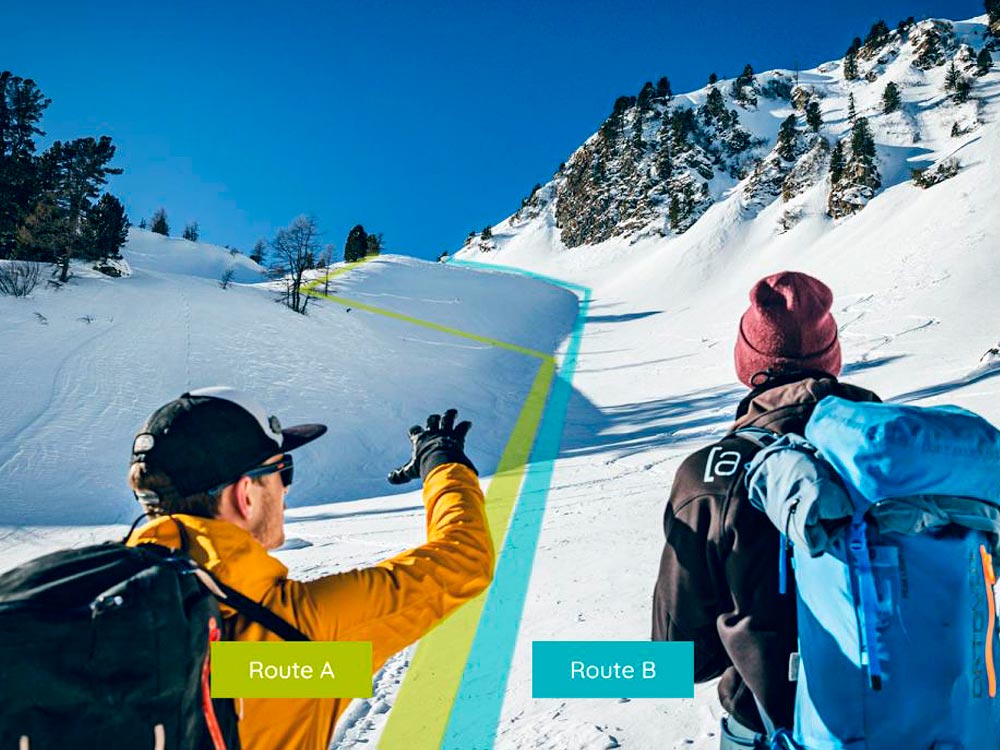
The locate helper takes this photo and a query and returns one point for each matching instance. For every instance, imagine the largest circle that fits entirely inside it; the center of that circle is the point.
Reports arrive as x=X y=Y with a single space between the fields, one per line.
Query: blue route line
x=475 y=716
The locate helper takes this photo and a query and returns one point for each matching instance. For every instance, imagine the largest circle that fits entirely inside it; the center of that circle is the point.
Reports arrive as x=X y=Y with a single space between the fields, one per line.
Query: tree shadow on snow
x=627 y=429
x=854 y=368
x=623 y=318
x=946 y=387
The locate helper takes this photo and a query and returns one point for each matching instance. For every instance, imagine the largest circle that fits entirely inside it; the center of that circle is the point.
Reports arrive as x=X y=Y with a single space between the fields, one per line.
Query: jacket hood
x=230 y=553
x=786 y=407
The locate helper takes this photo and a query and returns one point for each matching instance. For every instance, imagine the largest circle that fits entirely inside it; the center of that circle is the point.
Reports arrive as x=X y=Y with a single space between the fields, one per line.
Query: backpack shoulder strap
x=249 y=608
x=242 y=604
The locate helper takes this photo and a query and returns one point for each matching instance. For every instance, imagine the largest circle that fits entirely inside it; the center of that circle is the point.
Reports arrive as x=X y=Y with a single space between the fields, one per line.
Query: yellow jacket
x=391 y=604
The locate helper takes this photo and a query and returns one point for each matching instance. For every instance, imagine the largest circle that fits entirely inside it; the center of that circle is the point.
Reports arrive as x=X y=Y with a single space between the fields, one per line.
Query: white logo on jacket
x=721 y=463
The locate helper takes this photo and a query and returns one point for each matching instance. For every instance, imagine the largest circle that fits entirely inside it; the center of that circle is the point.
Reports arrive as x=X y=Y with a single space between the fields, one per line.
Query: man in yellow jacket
x=215 y=462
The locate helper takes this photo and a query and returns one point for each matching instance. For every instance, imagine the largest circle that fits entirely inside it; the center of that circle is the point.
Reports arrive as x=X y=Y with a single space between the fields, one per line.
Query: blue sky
x=419 y=120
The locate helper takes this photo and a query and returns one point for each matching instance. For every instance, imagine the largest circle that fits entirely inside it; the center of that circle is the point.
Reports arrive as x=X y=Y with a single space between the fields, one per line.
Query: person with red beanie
x=718 y=577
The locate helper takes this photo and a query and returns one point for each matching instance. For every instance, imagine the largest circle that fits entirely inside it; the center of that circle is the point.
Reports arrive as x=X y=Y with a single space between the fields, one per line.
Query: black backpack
x=107 y=646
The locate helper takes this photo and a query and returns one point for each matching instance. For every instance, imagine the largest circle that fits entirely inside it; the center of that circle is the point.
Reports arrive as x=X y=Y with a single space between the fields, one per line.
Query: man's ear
x=241 y=498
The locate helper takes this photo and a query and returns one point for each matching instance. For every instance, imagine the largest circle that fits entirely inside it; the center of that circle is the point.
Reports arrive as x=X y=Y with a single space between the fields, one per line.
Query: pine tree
x=952 y=77
x=374 y=244
x=645 y=96
x=744 y=80
x=956 y=83
x=74 y=173
x=878 y=34
x=663 y=90
x=21 y=107
x=257 y=254
x=613 y=125
x=45 y=233
x=890 y=98
x=715 y=105
x=814 y=118
x=850 y=66
x=108 y=228
x=963 y=90
x=852 y=111
x=486 y=234
x=159 y=224
x=637 y=142
x=356 y=245
x=142 y=223
x=837 y=163
x=712 y=79
x=984 y=61
x=862 y=142
x=787 y=135
x=191 y=232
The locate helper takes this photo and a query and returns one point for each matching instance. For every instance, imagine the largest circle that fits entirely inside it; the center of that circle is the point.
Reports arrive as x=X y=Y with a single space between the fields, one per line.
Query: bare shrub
x=227 y=277
x=18 y=278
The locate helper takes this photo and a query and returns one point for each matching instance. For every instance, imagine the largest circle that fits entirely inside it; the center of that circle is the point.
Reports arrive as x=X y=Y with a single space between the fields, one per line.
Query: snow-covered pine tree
x=715 y=106
x=787 y=134
x=860 y=178
x=852 y=110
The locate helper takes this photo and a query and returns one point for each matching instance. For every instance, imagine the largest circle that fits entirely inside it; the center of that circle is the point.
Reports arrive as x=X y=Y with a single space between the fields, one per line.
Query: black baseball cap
x=212 y=436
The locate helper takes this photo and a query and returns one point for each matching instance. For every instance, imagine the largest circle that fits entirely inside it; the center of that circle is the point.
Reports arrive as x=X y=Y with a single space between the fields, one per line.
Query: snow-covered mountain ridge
x=660 y=162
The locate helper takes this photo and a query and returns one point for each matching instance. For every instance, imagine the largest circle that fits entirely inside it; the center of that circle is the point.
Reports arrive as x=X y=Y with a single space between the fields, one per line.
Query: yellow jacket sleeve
x=395 y=602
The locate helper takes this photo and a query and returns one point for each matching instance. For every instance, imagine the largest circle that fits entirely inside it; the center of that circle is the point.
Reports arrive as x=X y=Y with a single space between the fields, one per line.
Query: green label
x=277 y=669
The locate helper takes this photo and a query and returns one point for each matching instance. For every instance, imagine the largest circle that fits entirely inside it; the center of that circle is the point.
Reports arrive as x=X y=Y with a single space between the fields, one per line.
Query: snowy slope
x=154 y=252
x=914 y=275
x=85 y=364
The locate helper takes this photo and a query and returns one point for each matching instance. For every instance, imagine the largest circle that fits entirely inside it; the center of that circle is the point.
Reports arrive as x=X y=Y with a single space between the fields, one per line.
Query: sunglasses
x=285 y=466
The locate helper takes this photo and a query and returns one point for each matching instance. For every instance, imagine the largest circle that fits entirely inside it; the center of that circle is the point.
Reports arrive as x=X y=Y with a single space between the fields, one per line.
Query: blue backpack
x=893 y=518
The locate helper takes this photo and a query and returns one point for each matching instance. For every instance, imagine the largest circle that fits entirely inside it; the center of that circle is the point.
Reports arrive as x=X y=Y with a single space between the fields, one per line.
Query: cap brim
x=300 y=434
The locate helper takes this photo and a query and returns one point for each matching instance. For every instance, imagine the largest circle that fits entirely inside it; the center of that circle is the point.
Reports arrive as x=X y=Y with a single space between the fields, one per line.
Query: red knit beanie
x=788 y=326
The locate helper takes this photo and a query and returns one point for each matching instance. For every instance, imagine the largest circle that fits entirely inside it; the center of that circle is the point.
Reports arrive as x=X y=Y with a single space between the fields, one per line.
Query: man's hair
x=204 y=504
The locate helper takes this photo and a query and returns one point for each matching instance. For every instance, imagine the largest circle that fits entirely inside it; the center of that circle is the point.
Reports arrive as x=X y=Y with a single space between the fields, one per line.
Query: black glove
x=440 y=442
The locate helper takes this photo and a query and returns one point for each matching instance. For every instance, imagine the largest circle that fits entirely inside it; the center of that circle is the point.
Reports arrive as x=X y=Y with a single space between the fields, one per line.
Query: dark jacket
x=718 y=581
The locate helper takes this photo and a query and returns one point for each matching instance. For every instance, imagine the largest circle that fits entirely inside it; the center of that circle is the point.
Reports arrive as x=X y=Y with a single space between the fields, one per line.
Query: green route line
x=423 y=706
x=310 y=289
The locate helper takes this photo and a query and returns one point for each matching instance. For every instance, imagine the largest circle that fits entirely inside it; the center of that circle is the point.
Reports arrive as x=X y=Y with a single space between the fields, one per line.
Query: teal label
x=612 y=669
